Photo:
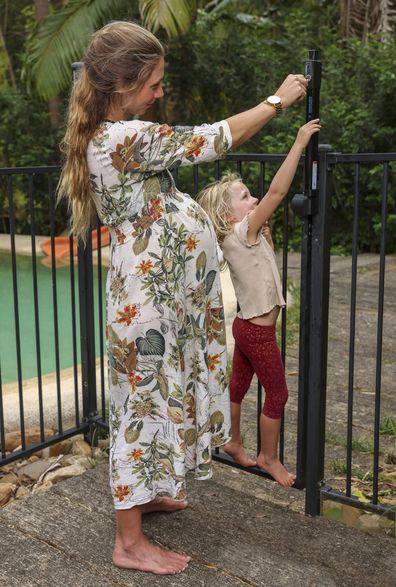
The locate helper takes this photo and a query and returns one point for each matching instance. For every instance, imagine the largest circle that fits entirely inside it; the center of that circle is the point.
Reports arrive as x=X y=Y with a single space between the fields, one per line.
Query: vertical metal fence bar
x=284 y=312
x=100 y=314
x=259 y=386
x=217 y=170
x=258 y=415
x=55 y=301
x=74 y=329
x=16 y=309
x=217 y=177
x=35 y=291
x=2 y=430
x=262 y=180
x=196 y=180
x=318 y=339
x=239 y=167
x=284 y=277
x=380 y=324
x=303 y=362
x=352 y=328
x=87 y=331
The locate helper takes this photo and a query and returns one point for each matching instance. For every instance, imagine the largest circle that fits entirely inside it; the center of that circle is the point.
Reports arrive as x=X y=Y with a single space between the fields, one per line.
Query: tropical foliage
x=233 y=54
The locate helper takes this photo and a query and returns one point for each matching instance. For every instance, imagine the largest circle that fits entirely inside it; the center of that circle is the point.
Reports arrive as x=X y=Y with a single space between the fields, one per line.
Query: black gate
x=91 y=383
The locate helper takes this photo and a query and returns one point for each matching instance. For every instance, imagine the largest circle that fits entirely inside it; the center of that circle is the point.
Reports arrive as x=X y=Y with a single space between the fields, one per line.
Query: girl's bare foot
x=238 y=453
x=164 y=504
x=276 y=470
x=144 y=556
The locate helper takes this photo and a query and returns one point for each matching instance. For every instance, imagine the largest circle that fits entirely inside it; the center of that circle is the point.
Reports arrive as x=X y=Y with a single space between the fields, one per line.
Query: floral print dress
x=169 y=401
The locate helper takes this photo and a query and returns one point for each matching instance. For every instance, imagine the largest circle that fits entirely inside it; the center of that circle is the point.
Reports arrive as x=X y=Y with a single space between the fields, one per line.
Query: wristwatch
x=275 y=102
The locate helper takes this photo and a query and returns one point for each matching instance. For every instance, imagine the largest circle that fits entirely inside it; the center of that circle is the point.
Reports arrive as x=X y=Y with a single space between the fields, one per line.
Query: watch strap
x=277 y=107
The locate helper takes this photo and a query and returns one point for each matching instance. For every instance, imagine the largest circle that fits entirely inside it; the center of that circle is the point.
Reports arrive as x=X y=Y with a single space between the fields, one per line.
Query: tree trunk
x=41 y=11
x=9 y=63
x=345 y=16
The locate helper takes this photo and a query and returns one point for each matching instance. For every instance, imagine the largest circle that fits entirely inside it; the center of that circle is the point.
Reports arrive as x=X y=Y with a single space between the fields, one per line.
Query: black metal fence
x=368 y=351
x=30 y=182
x=85 y=388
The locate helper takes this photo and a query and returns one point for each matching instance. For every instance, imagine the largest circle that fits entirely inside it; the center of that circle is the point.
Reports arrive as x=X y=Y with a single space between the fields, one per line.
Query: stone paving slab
x=64 y=538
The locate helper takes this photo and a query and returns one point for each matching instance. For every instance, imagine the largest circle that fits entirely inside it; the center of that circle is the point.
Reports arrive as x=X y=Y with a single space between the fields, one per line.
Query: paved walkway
x=235 y=536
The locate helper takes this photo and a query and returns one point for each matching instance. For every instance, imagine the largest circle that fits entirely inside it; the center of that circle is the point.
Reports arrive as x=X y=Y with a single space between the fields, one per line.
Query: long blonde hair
x=215 y=199
x=120 y=55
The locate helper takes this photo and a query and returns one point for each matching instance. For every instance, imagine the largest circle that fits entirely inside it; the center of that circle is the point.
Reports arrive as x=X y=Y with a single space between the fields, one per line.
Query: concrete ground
x=234 y=535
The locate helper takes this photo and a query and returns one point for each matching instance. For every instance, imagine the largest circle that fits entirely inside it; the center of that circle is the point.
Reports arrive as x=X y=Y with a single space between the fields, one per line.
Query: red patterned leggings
x=256 y=351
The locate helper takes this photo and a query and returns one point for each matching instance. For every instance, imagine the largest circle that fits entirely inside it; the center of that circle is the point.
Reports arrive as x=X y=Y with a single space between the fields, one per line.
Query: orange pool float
x=62 y=245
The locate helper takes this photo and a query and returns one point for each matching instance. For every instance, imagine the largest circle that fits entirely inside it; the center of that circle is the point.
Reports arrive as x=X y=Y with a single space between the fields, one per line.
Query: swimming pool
x=8 y=354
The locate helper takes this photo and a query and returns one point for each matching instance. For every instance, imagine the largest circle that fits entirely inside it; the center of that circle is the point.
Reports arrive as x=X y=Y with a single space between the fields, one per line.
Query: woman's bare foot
x=144 y=556
x=276 y=470
x=238 y=453
x=164 y=504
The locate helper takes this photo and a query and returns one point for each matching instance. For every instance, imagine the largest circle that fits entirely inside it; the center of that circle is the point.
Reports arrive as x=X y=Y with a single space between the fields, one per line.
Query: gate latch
x=304 y=206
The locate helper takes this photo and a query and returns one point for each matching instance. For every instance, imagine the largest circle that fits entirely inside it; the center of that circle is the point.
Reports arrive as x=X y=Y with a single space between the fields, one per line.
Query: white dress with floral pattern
x=169 y=401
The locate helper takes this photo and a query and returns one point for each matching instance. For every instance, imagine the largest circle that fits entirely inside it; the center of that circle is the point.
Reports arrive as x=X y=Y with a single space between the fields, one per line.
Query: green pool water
x=8 y=355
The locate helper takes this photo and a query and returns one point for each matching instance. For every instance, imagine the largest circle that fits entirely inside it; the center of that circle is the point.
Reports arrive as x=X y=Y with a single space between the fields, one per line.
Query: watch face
x=274 y=100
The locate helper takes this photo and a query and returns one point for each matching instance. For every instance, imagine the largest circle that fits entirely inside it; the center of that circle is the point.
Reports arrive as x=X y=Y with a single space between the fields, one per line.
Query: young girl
x=240 y=224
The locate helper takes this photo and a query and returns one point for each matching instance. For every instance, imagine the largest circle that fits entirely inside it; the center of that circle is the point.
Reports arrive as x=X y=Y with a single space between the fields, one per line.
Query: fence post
x=305 y=205
x=87 y=333
x=318 y=336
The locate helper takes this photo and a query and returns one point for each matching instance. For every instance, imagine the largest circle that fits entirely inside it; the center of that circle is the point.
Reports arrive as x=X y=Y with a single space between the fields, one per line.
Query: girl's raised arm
x=283 y=178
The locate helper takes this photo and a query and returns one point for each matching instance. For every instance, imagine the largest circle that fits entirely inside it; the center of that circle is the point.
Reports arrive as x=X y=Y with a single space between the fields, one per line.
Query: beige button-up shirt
x=253 y=271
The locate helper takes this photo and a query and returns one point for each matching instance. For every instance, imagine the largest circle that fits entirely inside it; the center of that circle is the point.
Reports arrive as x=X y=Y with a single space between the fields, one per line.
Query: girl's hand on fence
x=267 y=234
x=305 y=132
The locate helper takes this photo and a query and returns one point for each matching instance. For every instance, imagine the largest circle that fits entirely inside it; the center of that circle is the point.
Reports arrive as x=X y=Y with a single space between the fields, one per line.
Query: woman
x=165 y=333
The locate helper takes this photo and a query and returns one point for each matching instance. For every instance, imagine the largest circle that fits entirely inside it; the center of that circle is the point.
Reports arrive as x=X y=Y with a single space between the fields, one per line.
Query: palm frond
x=174 y=16
x=62 y=38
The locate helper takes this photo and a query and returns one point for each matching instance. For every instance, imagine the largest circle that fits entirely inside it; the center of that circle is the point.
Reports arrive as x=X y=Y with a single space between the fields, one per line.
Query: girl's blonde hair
x=121 y=56
x=215 y=199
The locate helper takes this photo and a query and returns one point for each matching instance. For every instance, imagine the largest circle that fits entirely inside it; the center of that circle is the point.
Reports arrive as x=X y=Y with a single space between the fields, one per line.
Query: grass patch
x=338 y=467
x=363 y=445
x=359 y=444
x=362 y=269
x=362 y=474
x=388 y=426
x=334 y=439
x=339 y=250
